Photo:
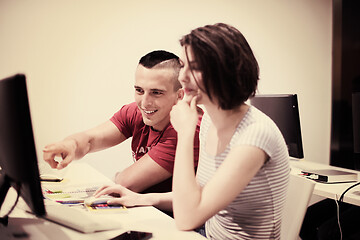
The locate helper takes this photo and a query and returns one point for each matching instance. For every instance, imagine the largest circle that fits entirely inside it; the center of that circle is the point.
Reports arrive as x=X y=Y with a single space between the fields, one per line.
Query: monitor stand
x=31 y=228
x=4 y=187
x=23 y=228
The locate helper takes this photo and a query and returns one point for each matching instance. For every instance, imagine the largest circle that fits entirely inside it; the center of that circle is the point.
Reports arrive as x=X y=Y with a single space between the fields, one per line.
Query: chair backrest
x=299 y=192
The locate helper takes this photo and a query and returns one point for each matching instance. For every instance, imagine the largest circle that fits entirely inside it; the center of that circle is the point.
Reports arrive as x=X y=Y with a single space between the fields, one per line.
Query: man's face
x=155 y=95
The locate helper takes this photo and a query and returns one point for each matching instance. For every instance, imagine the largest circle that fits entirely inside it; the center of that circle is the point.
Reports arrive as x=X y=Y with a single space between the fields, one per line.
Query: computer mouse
x=95 y=201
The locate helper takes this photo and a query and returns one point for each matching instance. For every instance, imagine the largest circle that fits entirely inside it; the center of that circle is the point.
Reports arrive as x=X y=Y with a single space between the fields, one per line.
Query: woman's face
x=190 y=76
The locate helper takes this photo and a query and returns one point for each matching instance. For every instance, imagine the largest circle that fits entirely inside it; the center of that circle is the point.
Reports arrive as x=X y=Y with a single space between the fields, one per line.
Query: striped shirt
x=256 y=212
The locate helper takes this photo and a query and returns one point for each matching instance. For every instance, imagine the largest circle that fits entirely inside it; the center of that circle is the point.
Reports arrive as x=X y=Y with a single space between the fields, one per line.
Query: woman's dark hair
x=229 y=69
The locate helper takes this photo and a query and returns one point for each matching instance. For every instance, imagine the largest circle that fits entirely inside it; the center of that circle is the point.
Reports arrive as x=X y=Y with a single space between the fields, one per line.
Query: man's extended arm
x=78 y=145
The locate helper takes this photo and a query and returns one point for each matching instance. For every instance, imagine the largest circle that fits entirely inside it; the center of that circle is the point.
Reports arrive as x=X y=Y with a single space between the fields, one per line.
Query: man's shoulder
x=130 y=107
x=130 y=111
x=128 y=116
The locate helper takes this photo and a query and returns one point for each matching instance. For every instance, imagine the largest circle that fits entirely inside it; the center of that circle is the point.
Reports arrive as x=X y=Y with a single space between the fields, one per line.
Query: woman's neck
x=223 y=127
x=224 y=119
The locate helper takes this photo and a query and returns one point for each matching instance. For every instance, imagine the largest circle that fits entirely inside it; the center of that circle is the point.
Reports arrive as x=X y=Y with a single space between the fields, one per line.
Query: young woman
x=240 y=185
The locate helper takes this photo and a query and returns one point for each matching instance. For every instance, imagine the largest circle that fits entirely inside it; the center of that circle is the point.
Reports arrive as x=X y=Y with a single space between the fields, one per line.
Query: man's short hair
x=161 y=59
x=155 y=57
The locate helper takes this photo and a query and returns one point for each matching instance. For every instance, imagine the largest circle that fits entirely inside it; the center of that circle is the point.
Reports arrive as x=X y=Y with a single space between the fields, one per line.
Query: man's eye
x=139 y=90
x=157 y=93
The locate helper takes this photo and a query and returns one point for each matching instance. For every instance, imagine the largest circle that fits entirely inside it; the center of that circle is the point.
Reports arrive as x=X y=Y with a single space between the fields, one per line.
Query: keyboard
x=79 y=219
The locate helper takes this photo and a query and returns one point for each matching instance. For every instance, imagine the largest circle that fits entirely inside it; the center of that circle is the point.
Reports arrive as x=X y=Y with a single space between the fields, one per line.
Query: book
x=104 y=207
x=73 y=195
x=77 y=196
x=330 y=175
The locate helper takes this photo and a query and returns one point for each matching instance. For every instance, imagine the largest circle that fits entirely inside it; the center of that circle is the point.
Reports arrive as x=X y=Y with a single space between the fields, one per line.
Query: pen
x=51 y=192
x=70 y=201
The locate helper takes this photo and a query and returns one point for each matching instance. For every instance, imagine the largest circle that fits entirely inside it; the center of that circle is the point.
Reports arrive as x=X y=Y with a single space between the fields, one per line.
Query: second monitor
x=284 y=111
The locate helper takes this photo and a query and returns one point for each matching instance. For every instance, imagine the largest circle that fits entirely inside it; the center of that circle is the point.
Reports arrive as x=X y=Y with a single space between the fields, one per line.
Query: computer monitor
x=18 y=161
x=356 y=121
x=284 y=111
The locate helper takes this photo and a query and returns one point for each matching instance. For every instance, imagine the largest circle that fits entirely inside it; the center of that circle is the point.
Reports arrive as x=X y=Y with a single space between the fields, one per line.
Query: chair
x=299 y=192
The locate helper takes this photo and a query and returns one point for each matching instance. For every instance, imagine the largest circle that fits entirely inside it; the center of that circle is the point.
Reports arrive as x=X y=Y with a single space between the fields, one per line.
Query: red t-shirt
x=159 y=145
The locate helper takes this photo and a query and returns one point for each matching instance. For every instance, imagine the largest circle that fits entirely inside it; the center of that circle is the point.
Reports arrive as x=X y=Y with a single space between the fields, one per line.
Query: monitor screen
x=18 y=161
x=356 y=120
x=283 y=110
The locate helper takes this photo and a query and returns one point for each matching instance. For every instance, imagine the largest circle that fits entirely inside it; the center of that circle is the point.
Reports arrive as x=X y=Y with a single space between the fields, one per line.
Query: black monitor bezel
x=18 y=160
x=271 y=105
x=356 y=121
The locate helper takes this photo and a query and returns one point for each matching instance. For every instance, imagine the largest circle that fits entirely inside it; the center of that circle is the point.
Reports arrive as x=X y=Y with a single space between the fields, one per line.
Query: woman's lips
x=189 y=91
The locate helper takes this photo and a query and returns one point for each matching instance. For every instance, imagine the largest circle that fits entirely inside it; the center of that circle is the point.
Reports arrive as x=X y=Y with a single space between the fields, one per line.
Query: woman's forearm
x=162 y=201
x=186 y=191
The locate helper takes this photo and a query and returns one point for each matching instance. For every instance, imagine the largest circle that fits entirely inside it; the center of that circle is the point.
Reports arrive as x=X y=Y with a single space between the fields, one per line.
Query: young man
x=147 y=121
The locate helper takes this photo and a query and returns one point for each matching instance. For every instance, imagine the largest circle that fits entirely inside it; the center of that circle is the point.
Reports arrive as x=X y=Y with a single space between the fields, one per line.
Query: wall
x=79 y=58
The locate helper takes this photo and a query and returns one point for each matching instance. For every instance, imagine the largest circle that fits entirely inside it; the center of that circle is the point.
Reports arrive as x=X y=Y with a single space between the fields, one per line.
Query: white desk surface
x=329 y=190
x=138 y=218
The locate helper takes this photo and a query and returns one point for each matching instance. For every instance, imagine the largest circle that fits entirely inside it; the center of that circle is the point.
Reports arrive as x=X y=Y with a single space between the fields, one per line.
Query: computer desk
x=329 y=190
x=138 y=218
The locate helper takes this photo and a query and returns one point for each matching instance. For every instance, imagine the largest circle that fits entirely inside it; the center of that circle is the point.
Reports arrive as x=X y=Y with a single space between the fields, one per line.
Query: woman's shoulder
x=257 y=125
x=255 y=118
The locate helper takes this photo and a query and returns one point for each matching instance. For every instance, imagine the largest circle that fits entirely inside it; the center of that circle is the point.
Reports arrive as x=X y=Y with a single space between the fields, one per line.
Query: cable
x=338 y=216
x=343 y=194
x=337 y=201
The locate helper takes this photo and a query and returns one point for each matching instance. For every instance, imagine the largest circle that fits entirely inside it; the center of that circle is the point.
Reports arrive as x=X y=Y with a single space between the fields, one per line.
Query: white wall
x=79 y=57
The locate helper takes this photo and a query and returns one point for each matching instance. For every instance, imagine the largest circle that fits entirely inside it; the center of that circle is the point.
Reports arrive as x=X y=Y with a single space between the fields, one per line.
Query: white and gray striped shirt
x=256 y=212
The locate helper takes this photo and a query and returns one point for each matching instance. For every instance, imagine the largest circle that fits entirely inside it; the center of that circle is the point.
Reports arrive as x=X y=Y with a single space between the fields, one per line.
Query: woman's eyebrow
x=193 y=63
